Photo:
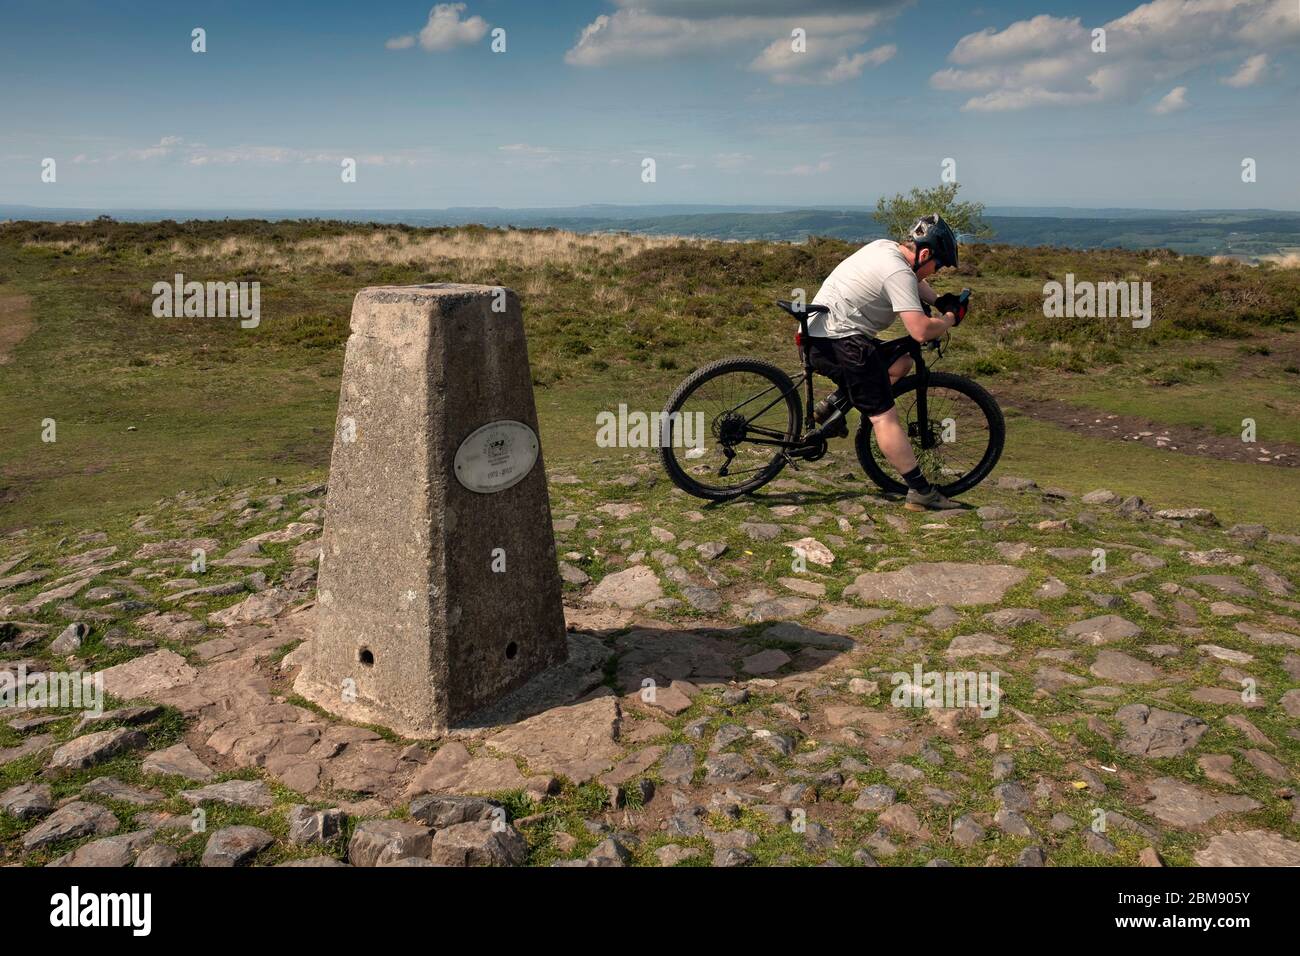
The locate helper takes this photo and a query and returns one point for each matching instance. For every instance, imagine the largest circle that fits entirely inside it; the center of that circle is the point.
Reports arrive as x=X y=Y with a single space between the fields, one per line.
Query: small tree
x=899 y=213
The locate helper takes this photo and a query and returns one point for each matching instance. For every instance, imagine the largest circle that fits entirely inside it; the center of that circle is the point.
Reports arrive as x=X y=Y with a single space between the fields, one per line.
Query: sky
x=518 y=103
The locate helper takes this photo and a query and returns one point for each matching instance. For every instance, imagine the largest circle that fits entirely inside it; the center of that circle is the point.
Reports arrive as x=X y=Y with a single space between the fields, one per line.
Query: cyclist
x=864 y=293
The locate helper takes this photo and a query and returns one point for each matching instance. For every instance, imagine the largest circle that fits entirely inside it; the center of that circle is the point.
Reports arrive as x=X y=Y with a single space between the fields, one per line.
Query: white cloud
x=1278 y=22
x=731 y=160
x=1251 y=72
x=178 y=149
x=1036 y=36
x=659 y=29
x=524 y=148
x=827 y=64
x=1049 y=61
x=445 y=30
x=532 y=156
x=804 y=169
x=164 y=147
x=1172 y=102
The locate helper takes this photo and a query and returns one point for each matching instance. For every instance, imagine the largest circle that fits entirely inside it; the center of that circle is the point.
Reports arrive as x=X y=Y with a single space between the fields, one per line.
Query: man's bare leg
x=893 y=440
x=895 y=446
x=900 y=368
x=889 y=430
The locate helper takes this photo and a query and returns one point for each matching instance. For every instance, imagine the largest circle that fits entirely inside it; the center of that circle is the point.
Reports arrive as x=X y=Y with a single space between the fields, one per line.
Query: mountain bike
x=752 y=420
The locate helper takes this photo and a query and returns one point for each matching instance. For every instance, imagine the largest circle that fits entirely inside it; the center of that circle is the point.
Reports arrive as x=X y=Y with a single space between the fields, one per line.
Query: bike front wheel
x=725 y=429
x=964 y=430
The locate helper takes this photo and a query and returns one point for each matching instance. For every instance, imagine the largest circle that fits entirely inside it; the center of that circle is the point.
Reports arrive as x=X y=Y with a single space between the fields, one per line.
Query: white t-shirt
x=866 y=292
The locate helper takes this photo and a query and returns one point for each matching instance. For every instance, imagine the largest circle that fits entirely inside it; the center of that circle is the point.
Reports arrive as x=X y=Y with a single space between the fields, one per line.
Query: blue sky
x=712 y=90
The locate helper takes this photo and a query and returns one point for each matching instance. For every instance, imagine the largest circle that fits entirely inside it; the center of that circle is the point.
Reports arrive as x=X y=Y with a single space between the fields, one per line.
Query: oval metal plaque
x=496 y=456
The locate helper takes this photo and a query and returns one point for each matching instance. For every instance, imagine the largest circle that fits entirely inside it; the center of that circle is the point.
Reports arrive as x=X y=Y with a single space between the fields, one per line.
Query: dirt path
x=1185 y=439
x=16 y=323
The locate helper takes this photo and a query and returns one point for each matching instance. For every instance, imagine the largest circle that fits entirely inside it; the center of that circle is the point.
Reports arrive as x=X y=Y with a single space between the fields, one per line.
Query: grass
x=1273 y=407
x=144 y=406
x=1234 y=491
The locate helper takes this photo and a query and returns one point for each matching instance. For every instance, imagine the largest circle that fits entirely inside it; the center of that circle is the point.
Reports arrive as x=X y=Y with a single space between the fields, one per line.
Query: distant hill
x=1244 y=233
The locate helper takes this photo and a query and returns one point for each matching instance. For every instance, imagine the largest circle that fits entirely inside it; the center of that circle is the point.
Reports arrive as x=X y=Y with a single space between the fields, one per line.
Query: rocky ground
x=733 y=691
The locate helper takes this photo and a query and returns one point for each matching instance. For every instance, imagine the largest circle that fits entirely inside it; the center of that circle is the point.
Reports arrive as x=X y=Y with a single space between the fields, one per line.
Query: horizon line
x=820 y=207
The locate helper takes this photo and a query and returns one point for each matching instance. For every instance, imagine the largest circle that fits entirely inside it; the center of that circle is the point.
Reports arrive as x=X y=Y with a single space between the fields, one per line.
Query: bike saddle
x=799 y=313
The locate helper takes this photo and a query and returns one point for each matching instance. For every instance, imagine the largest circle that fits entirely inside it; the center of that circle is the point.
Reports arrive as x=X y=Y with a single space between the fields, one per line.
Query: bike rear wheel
x=712 y=421
x=966 y=422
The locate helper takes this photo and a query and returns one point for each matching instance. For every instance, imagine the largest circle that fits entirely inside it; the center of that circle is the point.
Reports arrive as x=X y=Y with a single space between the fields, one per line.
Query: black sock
x=917 y=481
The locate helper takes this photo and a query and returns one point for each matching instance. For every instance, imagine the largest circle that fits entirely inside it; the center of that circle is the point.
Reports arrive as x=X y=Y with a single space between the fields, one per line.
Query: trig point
x=438 y=589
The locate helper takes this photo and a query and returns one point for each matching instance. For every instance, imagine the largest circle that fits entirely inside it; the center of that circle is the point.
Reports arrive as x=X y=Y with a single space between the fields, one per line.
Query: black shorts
x=860 y=365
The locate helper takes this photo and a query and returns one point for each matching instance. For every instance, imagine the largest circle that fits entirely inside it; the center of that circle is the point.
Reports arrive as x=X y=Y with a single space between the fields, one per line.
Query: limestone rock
x=478 y=843
x=439 y=811
x=235 y=846
x=1151 y=732
x=308 y=827
x=70 y=821
x=630 y=588
x=843 y=617
x=780 y=608
x=83 y=752
x=26 y=801
x=377 y=842
x=1181 y=804
x=579 y=741
x=453 y=770
x=571 y=574
x=966 y=831
x=69 y=641
x=158 y=855
x=1123 y=669
x=148 y=675
x=256 y=607
x=232 y=793
x=944 y=582
x=1008 y=618
x=1249 y=848
x=1104 y=629
x=110 y=788
x=173 y=625
x=177 y=760
x=1197 y=515
x=115 y=851
x=976 y=645
x=813 y=551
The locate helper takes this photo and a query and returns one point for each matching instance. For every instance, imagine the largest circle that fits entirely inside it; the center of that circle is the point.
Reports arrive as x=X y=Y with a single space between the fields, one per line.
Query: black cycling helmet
x=931 y=232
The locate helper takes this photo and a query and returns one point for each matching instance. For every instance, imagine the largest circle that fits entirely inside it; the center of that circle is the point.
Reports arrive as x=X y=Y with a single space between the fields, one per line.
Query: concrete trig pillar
x=438 y=589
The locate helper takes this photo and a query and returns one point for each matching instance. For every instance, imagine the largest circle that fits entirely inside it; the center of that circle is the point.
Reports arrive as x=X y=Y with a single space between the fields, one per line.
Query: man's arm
x=906 y=294
x=923 y=328
x=928 y=295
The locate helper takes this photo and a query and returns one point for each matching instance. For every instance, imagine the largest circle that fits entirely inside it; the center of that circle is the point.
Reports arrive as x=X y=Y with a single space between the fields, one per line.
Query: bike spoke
x=724 y=414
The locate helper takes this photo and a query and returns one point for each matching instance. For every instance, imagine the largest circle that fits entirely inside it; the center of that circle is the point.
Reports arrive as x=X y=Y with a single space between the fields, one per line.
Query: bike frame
x=809 y=432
